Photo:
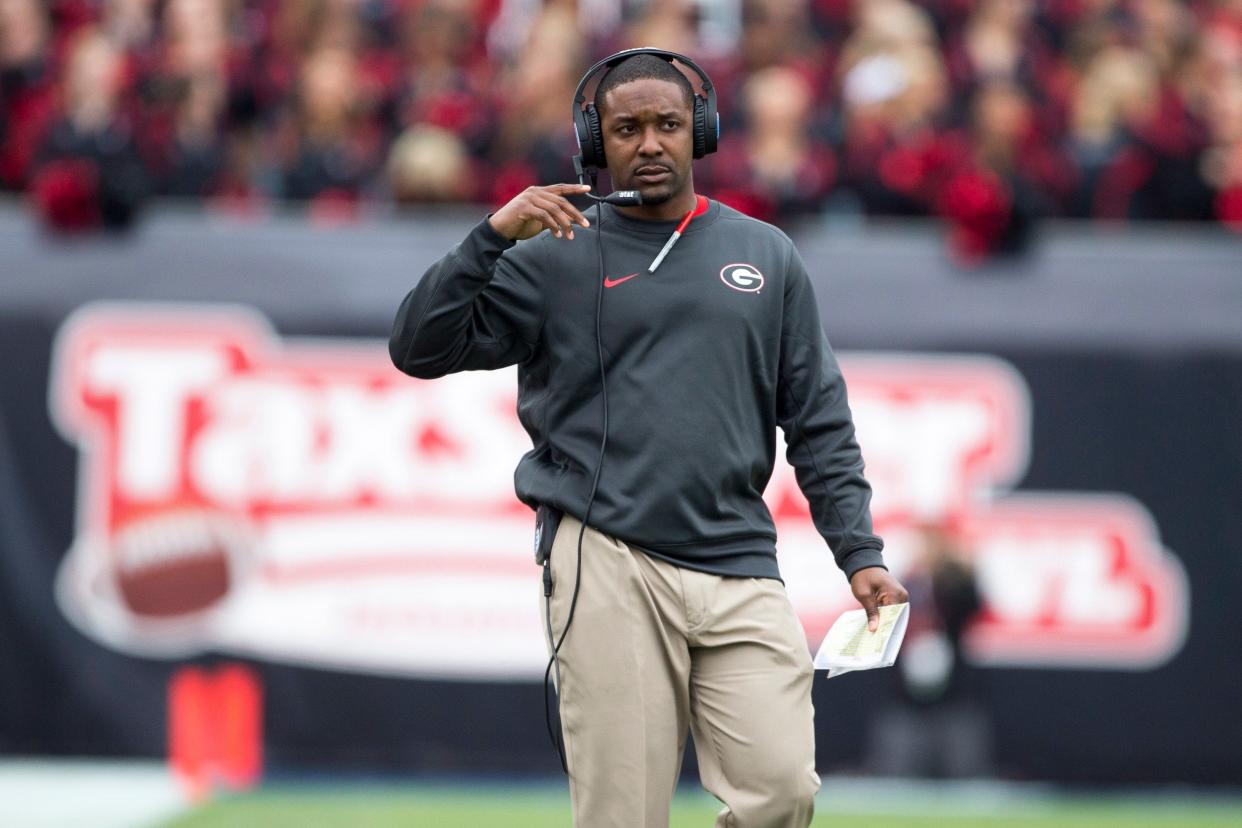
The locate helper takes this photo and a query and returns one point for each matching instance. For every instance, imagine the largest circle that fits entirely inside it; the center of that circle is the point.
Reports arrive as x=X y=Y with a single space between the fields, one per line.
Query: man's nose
x=651 y=142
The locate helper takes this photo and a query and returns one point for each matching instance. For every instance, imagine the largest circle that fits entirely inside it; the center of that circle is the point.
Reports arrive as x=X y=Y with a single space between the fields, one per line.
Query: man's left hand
x=875 y=588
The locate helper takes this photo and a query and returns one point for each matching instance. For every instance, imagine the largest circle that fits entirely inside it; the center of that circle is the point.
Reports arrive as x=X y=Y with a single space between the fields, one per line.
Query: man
x=680 y=619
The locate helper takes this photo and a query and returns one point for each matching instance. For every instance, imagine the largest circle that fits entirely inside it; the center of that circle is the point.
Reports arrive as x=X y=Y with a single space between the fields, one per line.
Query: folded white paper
x=850 y=646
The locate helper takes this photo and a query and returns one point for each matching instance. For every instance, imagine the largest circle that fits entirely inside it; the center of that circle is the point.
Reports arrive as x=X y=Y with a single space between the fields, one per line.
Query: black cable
x=557 y=737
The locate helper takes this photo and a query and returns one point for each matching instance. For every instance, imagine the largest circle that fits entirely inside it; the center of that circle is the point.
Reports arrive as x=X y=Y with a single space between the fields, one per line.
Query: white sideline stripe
x=41 y=793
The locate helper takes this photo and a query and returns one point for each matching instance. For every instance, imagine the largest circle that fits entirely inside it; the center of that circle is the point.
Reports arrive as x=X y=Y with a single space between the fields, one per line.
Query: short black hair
x=640 y=67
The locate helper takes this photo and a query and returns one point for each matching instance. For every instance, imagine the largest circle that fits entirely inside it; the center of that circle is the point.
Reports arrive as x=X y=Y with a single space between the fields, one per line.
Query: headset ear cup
x=700 y=127
x=595 y=135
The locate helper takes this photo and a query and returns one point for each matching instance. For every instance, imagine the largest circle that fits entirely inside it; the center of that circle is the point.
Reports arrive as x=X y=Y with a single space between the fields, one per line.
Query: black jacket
x=704 y=359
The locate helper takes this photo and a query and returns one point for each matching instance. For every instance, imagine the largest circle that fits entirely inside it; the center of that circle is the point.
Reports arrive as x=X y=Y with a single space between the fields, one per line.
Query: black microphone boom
x=621 y=198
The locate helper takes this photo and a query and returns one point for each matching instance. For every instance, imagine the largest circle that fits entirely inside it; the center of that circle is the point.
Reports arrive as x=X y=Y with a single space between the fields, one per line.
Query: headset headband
x=613 y=60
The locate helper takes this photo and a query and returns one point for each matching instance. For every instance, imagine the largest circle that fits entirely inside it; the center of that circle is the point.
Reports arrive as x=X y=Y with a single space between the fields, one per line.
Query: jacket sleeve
x=479 y=307
x=814 y=413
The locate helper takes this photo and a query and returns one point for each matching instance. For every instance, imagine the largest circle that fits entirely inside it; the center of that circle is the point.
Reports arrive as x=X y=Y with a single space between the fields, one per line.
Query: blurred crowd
x=991 y=114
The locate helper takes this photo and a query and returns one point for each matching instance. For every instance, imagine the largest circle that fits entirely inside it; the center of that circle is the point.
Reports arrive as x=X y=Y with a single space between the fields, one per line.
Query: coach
x=665 y=608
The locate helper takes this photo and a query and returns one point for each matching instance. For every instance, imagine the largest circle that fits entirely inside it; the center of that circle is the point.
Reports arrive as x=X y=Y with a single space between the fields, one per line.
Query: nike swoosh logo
x=614 y=282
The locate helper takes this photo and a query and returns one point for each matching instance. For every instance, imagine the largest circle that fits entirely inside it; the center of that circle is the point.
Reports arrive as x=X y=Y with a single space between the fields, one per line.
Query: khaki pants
x=656 y=650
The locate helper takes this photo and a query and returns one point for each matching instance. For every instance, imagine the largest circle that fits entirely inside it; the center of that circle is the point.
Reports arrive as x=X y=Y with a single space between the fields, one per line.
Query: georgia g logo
x=742 y=276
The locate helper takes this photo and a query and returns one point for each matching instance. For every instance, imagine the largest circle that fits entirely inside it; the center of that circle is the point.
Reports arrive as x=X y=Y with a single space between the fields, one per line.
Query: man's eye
x=672 y=124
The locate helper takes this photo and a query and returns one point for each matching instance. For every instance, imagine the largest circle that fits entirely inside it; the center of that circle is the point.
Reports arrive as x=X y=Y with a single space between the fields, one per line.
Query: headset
x=587 y=163
x=590 y=135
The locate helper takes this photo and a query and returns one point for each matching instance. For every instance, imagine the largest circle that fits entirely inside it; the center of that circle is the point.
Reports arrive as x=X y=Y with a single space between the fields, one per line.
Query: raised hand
x=537 y=208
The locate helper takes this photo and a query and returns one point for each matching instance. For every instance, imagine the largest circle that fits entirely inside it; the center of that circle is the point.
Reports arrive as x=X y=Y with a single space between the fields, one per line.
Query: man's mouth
x=651 y=174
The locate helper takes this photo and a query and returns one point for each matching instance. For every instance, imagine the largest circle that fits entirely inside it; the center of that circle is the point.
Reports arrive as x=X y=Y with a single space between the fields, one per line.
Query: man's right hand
x=537 y=208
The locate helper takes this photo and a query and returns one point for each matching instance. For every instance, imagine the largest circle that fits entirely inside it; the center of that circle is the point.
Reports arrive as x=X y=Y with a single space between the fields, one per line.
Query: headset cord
x=558 y=739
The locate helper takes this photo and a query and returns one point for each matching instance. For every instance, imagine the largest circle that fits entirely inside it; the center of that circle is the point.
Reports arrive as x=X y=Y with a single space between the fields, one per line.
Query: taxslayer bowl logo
x=742 y=276
x=302 y=501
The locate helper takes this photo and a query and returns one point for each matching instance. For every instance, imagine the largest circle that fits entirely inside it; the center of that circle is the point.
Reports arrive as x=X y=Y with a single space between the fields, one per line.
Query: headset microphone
x=620 y=198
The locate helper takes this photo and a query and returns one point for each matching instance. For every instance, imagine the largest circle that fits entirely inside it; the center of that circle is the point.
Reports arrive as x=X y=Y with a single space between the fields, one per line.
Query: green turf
x=464 y=807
